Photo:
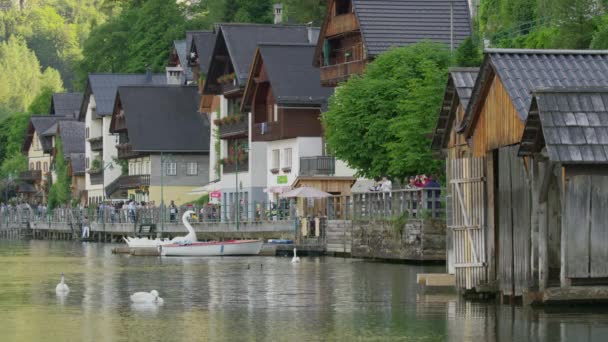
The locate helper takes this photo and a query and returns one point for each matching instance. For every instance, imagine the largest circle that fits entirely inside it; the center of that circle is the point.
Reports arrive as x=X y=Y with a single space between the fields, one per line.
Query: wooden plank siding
x=341 y=24
x=498 y=124
x=457 y=145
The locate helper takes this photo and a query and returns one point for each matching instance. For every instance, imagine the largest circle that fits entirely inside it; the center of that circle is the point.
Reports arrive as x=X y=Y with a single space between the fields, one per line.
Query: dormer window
x=342 y=7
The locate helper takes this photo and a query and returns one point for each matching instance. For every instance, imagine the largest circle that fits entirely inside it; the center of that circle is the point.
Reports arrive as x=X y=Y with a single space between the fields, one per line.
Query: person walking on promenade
x=172 y=211
x=85 y=227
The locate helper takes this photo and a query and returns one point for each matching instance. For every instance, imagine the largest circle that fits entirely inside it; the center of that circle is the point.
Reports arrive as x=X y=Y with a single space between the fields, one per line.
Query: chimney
x=148 y=74
x=313 y=33
x=278 y=13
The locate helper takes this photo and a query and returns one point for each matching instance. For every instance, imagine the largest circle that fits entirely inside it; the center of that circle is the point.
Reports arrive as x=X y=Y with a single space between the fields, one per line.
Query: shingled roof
x=164 y=119
x=72 y=136
x=241 y=41
x=77 y=164
x=571 y=122
x=522 y=71
x=40 y=124
x=202 y=42
x=458 y=91
x=386 y=23
x=66 y=104
x=285 y=63
x=104 y=86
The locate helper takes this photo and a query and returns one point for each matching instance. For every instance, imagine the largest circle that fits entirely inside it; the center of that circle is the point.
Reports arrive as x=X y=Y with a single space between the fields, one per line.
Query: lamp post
x=163 y=160
x=236 y=176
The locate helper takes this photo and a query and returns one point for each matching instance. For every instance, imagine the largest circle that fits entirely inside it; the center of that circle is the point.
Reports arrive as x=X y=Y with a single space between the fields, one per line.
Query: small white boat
x=213 y=248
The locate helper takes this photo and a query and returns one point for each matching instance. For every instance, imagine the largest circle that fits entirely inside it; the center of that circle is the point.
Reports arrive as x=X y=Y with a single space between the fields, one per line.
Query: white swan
x=146 y=297
x=191 y=237
x=295 y=258
x=62 y=288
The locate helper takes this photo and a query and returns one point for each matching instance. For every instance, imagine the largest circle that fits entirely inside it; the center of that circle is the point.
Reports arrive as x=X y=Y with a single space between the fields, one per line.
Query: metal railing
x=320 y=165
x=31 y=175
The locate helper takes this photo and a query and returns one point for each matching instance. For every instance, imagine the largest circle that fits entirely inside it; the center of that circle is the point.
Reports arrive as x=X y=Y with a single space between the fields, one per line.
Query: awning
x=277 y=189
x=25 y=188
x=203 y=190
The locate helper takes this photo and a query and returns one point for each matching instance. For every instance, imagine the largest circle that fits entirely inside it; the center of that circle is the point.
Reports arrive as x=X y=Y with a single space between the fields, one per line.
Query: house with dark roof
x=284 y=97
x=39 y=146
x=177 y=69
x=199 y=47
x=356 y=31
x=164 y=140
x=226 y=78
x=66 y=104
x=96 y=113
x=525 y=196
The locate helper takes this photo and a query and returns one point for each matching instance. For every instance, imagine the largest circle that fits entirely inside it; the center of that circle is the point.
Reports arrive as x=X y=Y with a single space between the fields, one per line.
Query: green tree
x=12 y=135
x=391 y=109
x=21 y=77
x=60 y=193
x=305 y=11
x=468 y=54
x=42 y=102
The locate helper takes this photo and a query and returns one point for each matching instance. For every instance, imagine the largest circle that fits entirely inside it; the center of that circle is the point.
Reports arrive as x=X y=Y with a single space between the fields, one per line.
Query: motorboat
x=213 y=248
x=135 y=242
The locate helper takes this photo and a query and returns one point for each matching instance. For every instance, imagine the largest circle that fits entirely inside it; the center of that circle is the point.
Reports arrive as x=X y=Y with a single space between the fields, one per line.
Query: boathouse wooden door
x=468 y=222
x=514 y=201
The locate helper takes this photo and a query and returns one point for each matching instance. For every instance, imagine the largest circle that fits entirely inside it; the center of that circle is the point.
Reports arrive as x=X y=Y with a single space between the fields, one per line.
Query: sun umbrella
x=305 y=192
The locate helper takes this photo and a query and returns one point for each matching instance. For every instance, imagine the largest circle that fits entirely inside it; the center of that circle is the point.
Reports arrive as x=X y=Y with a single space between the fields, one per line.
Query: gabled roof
x=293 y=79
x=457 y=92
x=241 y=41
x=43 y=126
x=179 y=47
x=104 y=86
x=571 y=122
x=387 y=23
x=77 y=164
x=202 y=43
x=72 y=136
x=163 y=118
x=522 y=71
x=66 y=104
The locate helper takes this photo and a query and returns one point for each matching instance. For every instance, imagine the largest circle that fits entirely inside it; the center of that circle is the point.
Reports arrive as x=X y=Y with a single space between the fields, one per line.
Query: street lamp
x=236 y=176
x=163 y=160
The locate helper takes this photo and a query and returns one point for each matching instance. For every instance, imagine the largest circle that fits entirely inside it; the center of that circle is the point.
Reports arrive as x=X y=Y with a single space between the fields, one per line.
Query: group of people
x=422 y=181
x=384 y=185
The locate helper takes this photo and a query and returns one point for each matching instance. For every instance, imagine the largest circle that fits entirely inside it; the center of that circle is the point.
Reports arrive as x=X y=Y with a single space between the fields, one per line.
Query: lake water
x=252 y=299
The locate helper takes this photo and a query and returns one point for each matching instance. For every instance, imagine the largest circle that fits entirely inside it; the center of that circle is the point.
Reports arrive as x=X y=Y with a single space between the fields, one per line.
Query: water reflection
x=253 y=299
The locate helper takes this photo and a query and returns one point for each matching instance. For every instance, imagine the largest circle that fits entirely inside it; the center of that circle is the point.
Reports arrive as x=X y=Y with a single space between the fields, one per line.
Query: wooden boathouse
x=517 y=209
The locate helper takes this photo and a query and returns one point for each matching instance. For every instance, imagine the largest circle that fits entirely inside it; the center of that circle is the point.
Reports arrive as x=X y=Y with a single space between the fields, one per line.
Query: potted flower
x=217 y=122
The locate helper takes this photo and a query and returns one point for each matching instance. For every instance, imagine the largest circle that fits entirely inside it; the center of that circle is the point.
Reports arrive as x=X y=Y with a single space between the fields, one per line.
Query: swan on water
x=62 y=287
x=146 y=297
x=295 y=258
x=191 y=237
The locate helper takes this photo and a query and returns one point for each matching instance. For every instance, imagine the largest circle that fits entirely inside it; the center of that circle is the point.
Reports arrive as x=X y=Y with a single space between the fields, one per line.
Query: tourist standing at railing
x=434 y=191
x=131 y=211
x=172 y=211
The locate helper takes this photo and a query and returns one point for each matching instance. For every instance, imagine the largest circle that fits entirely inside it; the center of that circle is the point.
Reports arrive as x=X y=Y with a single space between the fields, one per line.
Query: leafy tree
x=42 y=102
x=22 y=79
x=12 y=134
x=305 y=11
x=390 y=109
x=468 y=54
x=576 y=22
x=60 y=190
x=600 y=37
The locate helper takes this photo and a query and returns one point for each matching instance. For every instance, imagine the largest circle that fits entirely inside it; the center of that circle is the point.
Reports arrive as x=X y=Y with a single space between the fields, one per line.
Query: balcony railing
x=96 y=177
x=127 y=183
x=341 y=24
x=31 y=176
x=125 y=151
x=96 y=144
x=234 y=130
x=317 y=166
x=331 y=75
x=266 y=131
x=231 y=168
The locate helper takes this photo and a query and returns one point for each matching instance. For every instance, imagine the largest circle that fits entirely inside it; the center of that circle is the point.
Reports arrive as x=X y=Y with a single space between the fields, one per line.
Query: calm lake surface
x=273 y=300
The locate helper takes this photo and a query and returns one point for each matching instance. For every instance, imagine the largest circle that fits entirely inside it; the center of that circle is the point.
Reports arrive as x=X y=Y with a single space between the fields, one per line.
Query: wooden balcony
x=31 y=176
x=231 y=168
x=96 y=177
x=342 y=24
x=124 y=183
x=234 y=130
x=317 y=166
x=96 y=144
x=332 y=75
x=267 y=131
x=125 y=151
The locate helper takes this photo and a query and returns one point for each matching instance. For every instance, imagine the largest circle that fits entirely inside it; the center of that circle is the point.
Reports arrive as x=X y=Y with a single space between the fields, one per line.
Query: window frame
x=189 y=171
x=170 y=169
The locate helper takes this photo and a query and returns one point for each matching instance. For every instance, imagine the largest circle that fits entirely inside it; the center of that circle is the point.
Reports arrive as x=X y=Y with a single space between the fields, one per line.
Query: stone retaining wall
x=419 y=240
